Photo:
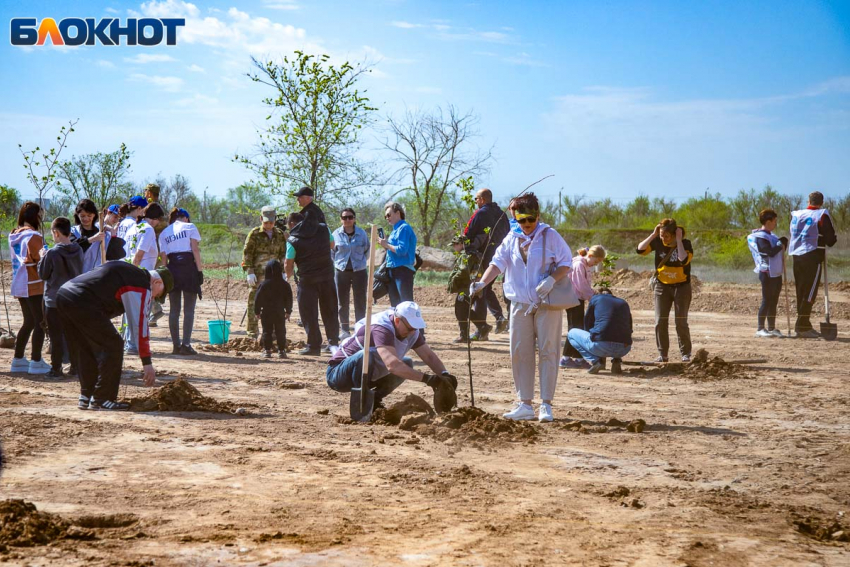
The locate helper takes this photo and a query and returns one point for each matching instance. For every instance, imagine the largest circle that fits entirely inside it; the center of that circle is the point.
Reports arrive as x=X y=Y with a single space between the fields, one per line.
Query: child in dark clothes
x=273 y=306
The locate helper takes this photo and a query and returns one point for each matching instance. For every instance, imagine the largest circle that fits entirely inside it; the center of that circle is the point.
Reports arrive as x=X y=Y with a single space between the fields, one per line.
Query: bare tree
x=100 y=177
x=434 y=151
x=174 y=193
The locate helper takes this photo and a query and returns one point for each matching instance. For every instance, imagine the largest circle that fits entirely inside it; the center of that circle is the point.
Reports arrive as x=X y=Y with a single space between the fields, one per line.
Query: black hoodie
x=274 y=296
x=62 y=263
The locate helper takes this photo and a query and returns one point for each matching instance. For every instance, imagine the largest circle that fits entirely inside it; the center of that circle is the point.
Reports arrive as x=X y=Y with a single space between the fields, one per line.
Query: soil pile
x=179 y=395
x=822 y=530
x=247 y=344
x=702 y=368
x=466 y=424
x=629 y=278
x=218 y=289
x=21 y=525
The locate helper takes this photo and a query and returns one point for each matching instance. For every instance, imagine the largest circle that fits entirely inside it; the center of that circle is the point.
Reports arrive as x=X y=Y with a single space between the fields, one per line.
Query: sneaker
x=56 y=374
x=20 y=365
x=810 y=334
x=326 y=348
x=187 y=350
x=175 y=350
x=582 y=364
x=764 y=334
x=482 y=334
x=267 y=354
x=595 y=368
x=38 y=367
x=616 y=366
x=660 y=359
x=686 y=358
x=344 y=335
x=282 y=354
x=522 y=412
x=83 y=402
x=108 y=405
x=545 y=414
x=502 y=326
x=152 y=324
x=156 y=317
x=776 y=333
x=310 y=351
x=72 y=371
x=566 y=362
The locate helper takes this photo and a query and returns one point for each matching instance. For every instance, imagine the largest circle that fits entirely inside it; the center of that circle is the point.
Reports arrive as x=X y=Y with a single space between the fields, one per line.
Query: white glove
x=544 y=287
x=252 y=280
x=476 y=288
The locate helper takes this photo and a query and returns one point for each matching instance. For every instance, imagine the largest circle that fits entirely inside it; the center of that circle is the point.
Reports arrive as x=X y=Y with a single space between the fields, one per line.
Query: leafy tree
x=244 y=204
x=101 y=177
x=707 y=212
x=313 y=127
x=212 y=209
x=433 y=153
x=10 y=202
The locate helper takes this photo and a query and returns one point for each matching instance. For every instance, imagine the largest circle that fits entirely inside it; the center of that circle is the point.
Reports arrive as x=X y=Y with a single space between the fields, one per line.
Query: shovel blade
x=829 y=331
x=361 y=409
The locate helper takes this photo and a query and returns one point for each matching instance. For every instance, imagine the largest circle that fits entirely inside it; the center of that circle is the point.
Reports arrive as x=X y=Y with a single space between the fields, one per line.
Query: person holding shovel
x=392 y=334
x=811 y=232
x=767 y=250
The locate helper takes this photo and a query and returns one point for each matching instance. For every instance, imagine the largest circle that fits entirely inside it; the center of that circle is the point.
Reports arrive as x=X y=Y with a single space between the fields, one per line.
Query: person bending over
x=609 y=332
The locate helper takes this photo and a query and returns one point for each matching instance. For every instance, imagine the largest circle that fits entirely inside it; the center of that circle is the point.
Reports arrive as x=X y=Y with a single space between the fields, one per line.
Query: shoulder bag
x=562 y=296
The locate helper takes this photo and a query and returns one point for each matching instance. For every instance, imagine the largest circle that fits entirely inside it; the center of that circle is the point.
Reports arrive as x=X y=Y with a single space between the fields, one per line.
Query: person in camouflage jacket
x=263 y=243
x=465 y=268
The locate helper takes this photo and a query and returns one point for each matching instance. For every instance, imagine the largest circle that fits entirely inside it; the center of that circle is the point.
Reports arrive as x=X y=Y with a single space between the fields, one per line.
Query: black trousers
x=483 y=301
x=97 y=350
x=575 y=320
x=274 y=326
x=493 y=304
x=771 y=289
x=57 y=338
x=31 y=307
x=462 y=312
x=807 y=271
x=314 y=297
x=679 y=298
x=345 y=281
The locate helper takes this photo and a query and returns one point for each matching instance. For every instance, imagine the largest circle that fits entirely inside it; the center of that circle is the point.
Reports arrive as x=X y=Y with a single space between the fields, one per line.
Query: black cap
x=303 y=192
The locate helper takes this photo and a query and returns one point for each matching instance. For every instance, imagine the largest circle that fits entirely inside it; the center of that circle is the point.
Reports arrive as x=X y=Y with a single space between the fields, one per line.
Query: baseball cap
x=114 y=209
x=138 y=201
x=167 y=281
x=268 y=214
x=183 y=213
x=303 y=192
x=411 y=313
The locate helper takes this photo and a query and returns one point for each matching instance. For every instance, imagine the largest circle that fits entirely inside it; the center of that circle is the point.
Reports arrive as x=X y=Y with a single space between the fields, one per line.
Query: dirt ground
x=734 y=469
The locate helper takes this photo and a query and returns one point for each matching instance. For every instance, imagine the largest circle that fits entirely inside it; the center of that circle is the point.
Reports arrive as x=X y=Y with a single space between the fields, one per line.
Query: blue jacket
x=608 y=319
x=355 y=249
x=404 y=240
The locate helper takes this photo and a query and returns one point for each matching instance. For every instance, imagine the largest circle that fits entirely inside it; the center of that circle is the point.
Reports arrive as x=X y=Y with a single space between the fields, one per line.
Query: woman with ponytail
x=582 y=279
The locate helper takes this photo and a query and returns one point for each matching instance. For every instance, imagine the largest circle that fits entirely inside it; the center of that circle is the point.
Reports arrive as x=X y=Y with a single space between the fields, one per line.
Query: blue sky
x=613 y=98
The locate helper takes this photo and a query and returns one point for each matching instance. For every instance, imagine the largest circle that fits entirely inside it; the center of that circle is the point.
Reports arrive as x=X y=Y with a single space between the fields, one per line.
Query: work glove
x=476 y=288
x=445 y=397
x=451 y=378
x=252 y=280
x=200 y=277
x=544 y=287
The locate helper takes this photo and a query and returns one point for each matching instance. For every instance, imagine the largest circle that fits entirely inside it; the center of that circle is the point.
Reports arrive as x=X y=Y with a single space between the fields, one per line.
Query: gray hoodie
x=62 y=263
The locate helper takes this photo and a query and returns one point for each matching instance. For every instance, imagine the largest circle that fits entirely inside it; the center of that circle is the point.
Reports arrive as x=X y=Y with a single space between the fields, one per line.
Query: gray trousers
x=679 y=298
x=538 y=332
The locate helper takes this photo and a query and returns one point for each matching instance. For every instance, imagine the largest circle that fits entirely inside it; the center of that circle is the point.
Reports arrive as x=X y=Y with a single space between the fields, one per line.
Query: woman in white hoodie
x=25 y=244
x=525 y=257
x=582 y=278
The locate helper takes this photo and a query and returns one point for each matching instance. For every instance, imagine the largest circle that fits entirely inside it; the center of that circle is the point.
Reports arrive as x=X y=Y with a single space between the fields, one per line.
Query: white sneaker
x=545 y=415
x=522 y=412
x=343 y=335
x=20 y=365
x=762 y=333
x=38 y=367
x=777 y=333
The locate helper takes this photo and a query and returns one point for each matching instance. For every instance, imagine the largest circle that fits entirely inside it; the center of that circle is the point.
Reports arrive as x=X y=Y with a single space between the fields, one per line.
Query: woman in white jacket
x=525 y=257
x=582 y=278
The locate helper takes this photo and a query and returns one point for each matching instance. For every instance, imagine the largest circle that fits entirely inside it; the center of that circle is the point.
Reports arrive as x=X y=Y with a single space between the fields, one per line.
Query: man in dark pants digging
x=308 y=247
x=488 y=223
x=811 y=232
x=392 y=334
x=86 y=304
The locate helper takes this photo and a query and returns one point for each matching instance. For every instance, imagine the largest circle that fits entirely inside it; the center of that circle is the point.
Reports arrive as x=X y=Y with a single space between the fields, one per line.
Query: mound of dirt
x=841 y=286
x=247 y=344
x=822 y=530
x=629 y=278
x=466 y=424
x=702 y=368
x=179 y=395
x=217 y=289
x=22 y=525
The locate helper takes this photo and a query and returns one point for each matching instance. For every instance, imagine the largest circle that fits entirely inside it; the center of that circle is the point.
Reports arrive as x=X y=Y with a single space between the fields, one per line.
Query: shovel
x=362 y=400
x=829 y=331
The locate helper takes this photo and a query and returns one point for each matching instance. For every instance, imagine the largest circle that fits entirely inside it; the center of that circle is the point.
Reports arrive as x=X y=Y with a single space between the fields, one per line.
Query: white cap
x=411 y=313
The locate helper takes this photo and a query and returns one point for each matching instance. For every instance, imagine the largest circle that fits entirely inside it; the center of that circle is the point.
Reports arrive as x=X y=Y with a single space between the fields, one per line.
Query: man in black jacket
x=485 y=230
x=309 y=209
x=308 y=247
x=87 y=304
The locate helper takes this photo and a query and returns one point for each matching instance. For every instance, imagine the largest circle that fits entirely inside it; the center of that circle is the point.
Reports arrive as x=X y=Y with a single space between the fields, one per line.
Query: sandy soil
x=725 y=472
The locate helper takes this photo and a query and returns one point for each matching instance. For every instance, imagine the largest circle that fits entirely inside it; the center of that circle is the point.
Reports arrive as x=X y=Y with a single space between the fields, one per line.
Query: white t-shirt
x=124 y=227
x=177 y=237
x=143 y=237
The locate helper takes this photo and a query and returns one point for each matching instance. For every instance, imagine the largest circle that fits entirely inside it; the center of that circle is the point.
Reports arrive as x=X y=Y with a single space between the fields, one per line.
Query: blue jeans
x=347 y=374
x=400 y=287
x=592 y=351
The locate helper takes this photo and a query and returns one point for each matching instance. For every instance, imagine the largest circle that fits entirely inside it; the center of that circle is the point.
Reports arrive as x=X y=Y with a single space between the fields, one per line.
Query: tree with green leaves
x=10 y=202
x=101 y=177
x=314 y=126
x=42 y=169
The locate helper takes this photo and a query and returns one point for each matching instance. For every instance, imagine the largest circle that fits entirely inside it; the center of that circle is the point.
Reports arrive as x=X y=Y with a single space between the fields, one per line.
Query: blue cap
x=114 y=209
x=138 y=201
x=183 y=213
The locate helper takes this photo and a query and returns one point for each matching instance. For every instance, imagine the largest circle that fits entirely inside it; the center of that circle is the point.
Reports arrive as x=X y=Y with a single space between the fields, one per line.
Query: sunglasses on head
x=347 y=217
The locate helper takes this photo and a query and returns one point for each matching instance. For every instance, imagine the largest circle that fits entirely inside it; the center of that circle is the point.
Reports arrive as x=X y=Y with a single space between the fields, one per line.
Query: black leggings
x=575 y=320
x=771 y=288
x=33 y=316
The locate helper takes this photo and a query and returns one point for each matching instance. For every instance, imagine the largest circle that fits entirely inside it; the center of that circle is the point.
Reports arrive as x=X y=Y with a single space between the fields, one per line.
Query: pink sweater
x=582 y=278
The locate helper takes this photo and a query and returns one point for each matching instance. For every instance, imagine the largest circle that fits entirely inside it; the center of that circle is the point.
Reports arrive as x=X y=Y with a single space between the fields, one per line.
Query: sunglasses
x=347 y=217
x=388 y=215
x=526 y=219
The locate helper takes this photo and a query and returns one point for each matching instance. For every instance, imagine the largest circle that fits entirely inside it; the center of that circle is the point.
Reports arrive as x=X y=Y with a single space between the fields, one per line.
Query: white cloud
x=280 y=4
x=143 y=58
x=196 y=68
x=170 y=84
x=405 y=25
x=105 y=64
x=111 y=11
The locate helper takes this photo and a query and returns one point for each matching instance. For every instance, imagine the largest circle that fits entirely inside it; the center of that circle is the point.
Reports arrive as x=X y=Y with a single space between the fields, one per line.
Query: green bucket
x=219 y=331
